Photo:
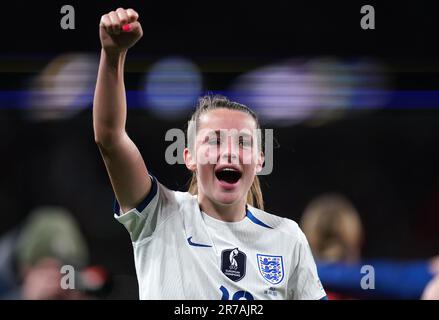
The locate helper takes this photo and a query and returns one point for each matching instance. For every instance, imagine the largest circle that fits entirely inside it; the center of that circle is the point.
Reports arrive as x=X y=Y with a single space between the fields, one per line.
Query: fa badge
x=233 y=264
x=271 y=268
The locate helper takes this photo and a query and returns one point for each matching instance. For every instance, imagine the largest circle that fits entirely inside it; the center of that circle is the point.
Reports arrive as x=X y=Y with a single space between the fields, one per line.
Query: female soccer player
x=215 y=241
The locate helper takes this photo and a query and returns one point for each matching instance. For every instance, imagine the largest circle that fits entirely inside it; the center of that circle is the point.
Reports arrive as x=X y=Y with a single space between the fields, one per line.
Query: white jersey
x=181 y=252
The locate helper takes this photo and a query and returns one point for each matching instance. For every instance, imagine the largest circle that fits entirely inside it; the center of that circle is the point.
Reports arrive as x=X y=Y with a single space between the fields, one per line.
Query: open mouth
x=229 y=175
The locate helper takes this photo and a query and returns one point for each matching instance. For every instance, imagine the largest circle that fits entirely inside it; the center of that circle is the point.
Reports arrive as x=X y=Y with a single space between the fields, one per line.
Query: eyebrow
x=240 y=134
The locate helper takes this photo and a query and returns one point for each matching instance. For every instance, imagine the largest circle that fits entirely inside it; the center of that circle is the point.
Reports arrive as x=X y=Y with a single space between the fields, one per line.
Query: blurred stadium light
x=63 y=88
x=315 y=90
x=172 y=87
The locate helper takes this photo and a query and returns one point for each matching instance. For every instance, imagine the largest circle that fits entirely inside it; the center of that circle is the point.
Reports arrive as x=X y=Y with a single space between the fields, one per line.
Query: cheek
x=207 y=155
x=249 y=173
x=248 y=156
x=205 y=177
x=249 y=160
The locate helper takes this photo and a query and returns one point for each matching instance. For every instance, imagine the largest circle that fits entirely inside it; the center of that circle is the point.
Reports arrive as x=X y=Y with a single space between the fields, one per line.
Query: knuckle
x=132 y=12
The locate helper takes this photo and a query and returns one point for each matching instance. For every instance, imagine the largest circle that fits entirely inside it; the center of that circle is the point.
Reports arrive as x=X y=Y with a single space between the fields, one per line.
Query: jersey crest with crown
x=271 y=268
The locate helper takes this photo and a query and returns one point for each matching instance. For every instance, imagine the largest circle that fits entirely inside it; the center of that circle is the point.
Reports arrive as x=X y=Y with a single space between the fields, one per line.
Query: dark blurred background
x=353 y=111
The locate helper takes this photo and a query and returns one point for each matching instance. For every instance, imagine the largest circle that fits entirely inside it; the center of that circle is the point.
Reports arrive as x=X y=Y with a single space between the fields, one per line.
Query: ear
x=189 y=160
x=260 y=162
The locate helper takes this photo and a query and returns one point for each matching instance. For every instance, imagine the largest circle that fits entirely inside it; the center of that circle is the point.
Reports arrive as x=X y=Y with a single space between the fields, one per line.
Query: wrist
x=114 y=58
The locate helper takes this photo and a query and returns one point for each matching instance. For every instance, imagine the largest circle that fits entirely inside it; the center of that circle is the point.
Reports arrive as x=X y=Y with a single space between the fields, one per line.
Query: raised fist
x=119 y=30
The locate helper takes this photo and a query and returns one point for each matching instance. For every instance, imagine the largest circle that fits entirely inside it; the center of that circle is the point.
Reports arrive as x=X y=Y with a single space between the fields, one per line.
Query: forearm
x=118 y=31
x=109 y=105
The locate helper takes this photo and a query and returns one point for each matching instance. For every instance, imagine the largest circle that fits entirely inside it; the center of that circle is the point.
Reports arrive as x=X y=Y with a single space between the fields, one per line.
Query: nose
x=230 y=151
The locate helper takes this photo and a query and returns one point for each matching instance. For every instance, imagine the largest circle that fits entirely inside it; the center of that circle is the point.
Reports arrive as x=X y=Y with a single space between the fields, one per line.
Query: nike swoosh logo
x=197 y=244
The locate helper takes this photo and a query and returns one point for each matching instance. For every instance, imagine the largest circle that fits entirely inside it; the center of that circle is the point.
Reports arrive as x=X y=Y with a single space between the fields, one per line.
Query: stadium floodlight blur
x=313 y=90
x=171 y=87
x=63 y=88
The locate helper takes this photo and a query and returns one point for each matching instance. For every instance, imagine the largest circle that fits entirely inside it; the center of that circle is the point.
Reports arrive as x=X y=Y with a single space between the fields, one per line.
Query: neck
x=229 y=213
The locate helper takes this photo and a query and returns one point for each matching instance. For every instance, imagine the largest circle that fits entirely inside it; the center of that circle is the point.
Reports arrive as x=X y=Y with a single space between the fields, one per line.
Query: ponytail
x=254 y=196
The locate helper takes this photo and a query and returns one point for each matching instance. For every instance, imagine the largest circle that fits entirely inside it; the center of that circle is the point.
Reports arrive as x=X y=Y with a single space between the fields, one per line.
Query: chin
x=227 y=198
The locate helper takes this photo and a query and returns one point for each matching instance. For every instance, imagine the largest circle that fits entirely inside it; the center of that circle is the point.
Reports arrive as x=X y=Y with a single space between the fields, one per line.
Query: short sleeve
x=304 y=282
x=142 y=221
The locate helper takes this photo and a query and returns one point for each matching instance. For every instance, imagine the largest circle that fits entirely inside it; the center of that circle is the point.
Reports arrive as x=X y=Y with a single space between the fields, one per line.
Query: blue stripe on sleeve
x=145 y=202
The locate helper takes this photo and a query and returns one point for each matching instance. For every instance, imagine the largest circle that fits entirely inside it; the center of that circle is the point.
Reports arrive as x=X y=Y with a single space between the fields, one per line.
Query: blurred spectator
x=335 y=234
x=431 y=292
x=31 y=258
x=333 y=228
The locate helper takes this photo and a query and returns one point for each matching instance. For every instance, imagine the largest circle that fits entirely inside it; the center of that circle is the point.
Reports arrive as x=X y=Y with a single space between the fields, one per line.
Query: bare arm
x=125 y=165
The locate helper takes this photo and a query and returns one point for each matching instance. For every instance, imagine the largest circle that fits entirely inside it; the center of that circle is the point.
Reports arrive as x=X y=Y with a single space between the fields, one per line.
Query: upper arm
x=127 y=171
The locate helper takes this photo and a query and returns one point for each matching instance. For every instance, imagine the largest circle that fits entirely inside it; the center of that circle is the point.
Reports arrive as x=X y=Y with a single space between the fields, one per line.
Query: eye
x=245 y=142
x=213 y=141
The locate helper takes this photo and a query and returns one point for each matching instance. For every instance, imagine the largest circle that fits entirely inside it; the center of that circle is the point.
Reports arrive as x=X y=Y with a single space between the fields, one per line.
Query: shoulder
x=286 y=227
x=176 y=200
x=170 y=195
x=185 y=199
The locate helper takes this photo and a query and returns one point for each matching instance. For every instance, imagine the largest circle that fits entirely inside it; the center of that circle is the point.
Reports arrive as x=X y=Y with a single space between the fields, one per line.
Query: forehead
x=224 y=119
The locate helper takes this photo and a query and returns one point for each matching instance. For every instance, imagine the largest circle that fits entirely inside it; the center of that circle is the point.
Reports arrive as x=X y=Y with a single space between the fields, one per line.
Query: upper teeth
x=228 y=169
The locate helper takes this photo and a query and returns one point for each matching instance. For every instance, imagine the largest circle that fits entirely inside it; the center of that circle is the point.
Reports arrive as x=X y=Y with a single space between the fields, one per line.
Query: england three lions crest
x=271 y=268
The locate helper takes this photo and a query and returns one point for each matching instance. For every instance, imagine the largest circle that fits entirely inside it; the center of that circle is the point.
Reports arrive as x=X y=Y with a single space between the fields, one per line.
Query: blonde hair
x=333 y=228
x=207 y=103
